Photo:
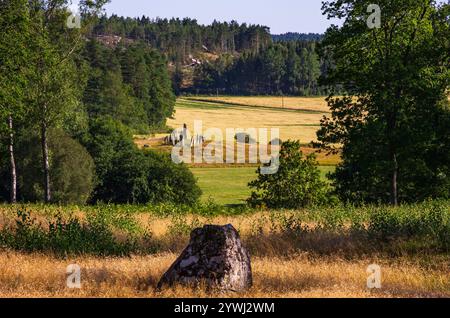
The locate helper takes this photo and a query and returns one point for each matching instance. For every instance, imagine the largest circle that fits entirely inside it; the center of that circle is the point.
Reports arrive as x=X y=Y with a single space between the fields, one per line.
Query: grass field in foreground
x=327 y=256
x=229 y=185
x=37 y=275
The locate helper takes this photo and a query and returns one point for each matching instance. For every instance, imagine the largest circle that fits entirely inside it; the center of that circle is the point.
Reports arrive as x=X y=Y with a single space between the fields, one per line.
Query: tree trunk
x=46 y=163
x=13 y=190
x=392 y=142
x=394 y=191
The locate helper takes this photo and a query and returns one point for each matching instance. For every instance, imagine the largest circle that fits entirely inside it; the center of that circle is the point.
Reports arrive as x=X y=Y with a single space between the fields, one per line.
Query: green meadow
x=228 y=185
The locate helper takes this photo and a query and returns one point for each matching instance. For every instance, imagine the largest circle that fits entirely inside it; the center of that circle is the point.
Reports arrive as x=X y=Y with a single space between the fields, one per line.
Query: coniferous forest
x=224 y=57
x=117 y=77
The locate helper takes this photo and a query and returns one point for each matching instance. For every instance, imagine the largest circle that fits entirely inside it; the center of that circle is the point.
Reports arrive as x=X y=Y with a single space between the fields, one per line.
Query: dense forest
x=181 y=38
x=288 y=68
x=224 y=57
x=129 y=83
x=69 y=107
x=295 y=36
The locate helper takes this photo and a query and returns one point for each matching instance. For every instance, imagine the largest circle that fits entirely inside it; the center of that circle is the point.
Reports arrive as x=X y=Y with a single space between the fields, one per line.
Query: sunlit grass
x=229 y=185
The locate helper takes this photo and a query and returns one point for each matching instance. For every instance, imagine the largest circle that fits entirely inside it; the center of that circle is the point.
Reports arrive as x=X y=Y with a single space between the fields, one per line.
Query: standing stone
x=215 y=256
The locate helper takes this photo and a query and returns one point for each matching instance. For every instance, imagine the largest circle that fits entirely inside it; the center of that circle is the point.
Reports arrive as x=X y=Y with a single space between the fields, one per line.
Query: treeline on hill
x=228 y=57
x=69 y=107
x=180 y=38
x=295 y=36
x=289 y=68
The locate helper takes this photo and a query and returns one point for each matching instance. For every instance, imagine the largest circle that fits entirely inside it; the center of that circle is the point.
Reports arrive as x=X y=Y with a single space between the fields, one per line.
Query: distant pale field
x=300 y=122
x=304 y=103
x=229 y=185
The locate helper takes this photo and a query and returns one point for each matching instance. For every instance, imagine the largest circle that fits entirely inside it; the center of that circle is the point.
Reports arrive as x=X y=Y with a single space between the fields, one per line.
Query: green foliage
x=119 y=165
x=393 y=122
x=128 y=175
x=69 y=83
x=297 y=183
x=169 y=182
x=181 y=226
x=115 y=229
x=249 y=62
x=130 y=84
x=423 y=172
x=179 y=38
x=72 y=169
x=14 y=34
x=409 y=228
x=294 y=36
x=70 y=236
x=430 y=222
x=289 y=68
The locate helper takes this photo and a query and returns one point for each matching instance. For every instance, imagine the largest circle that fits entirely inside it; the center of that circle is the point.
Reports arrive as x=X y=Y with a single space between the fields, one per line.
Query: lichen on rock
x=215 y=257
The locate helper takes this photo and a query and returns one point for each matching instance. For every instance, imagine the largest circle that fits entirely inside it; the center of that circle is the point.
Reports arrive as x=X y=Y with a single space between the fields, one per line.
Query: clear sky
x=281 y=16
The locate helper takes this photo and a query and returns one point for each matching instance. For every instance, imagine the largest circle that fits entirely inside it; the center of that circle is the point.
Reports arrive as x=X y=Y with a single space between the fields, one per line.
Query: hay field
x=298 y=120
x=294 y=123
x=300 y=103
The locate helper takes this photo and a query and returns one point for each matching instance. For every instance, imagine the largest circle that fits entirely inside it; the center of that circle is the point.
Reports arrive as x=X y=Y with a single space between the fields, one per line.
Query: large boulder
x=214 y=257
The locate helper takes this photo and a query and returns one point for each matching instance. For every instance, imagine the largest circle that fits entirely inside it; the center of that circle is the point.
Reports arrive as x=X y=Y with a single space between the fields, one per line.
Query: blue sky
x=280 y=15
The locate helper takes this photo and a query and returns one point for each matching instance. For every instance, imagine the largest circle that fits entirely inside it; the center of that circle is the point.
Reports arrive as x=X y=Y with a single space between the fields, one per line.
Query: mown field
x=299 y=120
x=298 y=103
x=318 y=252
x=296 y=117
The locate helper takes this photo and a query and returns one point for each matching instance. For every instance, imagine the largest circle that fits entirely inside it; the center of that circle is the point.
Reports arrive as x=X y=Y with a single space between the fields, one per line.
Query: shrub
x=429 y=221
x=128 y=175
x=169 y=182
x=71 y=167
x=297 y=183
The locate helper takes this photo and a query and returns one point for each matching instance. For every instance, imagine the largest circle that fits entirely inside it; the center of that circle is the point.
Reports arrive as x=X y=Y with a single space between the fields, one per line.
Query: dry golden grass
x=315 y=267
x=38 y=275
x=303 y=103
x=296 y=125
x=157 y=143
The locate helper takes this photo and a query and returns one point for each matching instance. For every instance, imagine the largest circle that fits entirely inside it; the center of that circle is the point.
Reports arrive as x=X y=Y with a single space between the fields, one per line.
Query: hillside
x=224 y=57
